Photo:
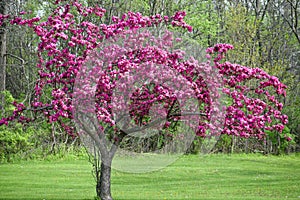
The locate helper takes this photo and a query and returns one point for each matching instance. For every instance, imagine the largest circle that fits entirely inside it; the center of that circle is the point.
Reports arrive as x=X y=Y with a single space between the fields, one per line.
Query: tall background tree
x=3 y=38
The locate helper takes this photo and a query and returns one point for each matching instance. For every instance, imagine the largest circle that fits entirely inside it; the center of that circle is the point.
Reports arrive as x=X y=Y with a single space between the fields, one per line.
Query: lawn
x=190 y=177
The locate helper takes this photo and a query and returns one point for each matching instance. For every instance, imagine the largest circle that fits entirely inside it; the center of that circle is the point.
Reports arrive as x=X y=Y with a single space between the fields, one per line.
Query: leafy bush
x=9 y=99
x=13 y=141
x=282 y=142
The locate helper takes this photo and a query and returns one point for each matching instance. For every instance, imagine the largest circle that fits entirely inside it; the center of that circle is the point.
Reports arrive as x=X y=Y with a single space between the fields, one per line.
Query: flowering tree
x=106 y=80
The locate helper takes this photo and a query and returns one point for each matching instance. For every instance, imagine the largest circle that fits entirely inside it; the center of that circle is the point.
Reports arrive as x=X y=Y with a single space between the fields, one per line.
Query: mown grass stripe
x=221 y=176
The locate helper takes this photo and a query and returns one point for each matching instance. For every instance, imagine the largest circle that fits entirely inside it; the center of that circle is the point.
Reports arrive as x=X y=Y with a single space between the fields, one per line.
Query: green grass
x=70 y=179
x=191 y=177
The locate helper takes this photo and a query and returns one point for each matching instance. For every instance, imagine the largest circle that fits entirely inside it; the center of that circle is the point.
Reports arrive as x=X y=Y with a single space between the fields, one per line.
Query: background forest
x=265 y=34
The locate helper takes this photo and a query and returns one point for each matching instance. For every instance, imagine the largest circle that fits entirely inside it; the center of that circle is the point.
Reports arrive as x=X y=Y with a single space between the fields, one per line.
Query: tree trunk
x=3 y=11
x=103 y=184
x=246 y=145
x=232 y=144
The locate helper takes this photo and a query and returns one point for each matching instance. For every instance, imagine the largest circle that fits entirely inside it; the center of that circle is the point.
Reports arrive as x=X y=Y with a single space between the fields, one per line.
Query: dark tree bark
x=103 y=184
x=103 y=170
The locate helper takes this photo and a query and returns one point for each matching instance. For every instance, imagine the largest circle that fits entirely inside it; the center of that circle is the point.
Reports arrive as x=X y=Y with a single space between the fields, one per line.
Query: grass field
x=191 y=177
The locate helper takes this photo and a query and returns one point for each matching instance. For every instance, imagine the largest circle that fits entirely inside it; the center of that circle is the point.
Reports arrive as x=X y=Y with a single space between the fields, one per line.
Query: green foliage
x=224 y=143
x=195 y=147
x=204 y=19
x=9 y=99
x=30 y=143
x=281 y=141
x=13 y=141
x=292 y=107
x=40 y=140
x=240 y=30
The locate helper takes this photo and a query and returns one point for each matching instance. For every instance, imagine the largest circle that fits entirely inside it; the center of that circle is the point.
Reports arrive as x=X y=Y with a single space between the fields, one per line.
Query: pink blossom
x=288 y=138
